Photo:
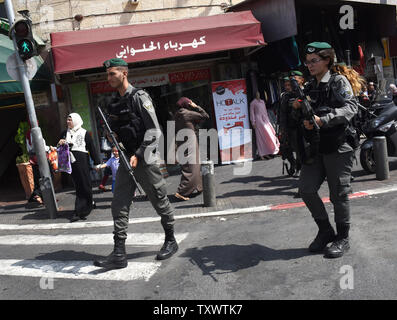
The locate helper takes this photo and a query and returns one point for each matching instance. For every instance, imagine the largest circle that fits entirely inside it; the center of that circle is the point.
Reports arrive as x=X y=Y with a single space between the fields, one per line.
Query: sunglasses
x=312 y=61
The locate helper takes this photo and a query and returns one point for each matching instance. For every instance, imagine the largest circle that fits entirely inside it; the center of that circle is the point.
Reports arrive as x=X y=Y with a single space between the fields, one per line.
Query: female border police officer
x=334 y=106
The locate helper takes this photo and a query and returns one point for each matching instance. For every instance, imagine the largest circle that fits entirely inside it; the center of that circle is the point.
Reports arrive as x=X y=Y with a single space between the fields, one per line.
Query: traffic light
x=27 y=46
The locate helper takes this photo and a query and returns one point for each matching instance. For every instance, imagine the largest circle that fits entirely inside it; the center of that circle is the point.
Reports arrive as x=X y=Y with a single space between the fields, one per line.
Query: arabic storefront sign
x=192 y=75
x=149 y=81
x=155 y=80
x=139 y=82
x=127 y=50
x=232 y=119
x=100 y=87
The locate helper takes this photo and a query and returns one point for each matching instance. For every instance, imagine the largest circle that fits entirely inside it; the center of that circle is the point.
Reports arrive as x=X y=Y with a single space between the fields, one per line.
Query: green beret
x=296 y=73
x=317 y=46
x=286 y=79
x=115 y=62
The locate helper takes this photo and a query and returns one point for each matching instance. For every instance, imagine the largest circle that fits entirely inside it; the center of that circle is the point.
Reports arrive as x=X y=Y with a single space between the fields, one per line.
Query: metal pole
x=46 y=185
x=381 y=160
x=208 y=174
x=348 y=60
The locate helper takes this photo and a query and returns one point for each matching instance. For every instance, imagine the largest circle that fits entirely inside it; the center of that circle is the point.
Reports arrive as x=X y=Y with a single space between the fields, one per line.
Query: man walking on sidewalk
x=131 y=115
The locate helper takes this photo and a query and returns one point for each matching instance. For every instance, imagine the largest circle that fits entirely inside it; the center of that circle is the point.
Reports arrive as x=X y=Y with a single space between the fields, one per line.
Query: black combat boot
x=325 y=235
x=117 y=259
x=341 y=243
x=170 y=246
x=75 y=217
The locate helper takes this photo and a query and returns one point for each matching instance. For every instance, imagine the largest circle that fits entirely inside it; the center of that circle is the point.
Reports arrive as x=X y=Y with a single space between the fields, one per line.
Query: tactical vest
x=323 y=101
x=126 y=120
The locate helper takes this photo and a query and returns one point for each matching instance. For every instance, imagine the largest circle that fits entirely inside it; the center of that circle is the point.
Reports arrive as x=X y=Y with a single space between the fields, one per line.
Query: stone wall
x=56 y=16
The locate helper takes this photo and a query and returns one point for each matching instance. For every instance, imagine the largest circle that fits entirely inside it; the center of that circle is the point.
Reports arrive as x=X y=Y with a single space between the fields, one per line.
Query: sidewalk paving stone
x=265 y=185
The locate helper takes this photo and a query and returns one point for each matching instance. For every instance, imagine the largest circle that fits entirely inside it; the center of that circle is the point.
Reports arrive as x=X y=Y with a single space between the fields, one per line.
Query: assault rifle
x=311 y=139
x=123 y=157
x=307 y=110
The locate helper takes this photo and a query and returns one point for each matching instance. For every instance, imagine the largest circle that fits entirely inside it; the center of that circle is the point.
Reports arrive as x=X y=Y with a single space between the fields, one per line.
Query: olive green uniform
x=147 y=172
x=335 y=159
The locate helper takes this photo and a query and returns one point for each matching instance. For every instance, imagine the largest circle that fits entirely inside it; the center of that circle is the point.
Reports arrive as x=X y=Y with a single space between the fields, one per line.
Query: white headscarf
x=77 y=121
x=76 y=135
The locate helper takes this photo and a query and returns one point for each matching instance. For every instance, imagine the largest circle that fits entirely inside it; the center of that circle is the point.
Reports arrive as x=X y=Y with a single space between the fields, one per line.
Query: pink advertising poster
x=232 y=119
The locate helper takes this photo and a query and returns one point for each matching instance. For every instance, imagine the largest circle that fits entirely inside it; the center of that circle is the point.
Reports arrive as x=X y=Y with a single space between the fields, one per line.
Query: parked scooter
x=380 y=119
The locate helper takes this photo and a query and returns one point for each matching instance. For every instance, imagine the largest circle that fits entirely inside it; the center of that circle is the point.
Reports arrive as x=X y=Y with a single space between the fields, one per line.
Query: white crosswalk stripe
x=76 y=270
x=72 y=269
x=140 y=239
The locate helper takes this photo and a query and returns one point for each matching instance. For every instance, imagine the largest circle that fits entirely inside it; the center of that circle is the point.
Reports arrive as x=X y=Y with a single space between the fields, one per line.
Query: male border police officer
x=131 y=116
x=288 y=125
x=334 y=106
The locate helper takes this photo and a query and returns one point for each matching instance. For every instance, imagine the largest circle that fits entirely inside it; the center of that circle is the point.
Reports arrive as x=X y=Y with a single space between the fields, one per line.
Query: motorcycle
x=380 y=119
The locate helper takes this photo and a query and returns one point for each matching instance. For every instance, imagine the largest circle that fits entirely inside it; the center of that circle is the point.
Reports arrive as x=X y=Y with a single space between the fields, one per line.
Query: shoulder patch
x=148 y=106
x=348 y=94
x=146 y=102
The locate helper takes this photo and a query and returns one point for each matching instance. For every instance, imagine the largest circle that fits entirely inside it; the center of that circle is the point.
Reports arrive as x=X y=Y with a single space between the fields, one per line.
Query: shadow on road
x=280 y=185
x=44 y=215
x=214 y=260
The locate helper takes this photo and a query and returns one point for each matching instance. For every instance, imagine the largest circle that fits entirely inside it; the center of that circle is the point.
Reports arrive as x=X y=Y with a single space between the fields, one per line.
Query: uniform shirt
x=343 y=93
x=144 y=104
x=342 y=102
x=145 y=119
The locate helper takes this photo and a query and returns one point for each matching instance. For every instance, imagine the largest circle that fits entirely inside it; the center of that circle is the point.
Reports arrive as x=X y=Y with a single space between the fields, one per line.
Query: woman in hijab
x=187 y=116
x=80 y=145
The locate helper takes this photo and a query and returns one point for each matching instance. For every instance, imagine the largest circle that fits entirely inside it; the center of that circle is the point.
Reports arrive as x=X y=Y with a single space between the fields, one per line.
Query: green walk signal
x=27 y=47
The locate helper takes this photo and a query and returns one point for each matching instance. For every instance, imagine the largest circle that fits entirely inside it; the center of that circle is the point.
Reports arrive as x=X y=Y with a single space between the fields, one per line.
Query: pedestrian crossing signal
x=27 y=47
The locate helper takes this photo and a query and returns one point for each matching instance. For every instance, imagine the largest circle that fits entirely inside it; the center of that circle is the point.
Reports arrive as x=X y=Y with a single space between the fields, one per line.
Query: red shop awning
x=86 y=49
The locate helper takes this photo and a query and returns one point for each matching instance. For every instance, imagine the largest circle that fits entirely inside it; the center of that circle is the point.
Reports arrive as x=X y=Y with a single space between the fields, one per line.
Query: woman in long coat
x=81 y=147
x=188 y=116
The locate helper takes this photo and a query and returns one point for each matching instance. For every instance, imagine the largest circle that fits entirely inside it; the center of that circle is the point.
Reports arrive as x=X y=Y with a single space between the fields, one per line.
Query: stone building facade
x=57 y=16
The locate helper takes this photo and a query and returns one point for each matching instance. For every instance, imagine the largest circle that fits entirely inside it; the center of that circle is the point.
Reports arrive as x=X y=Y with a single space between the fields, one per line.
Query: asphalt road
x=253 y=256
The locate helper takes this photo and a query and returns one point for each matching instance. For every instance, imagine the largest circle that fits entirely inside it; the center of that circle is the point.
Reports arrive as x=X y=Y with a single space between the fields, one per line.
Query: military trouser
x=336 y=167
x=293 y=141
x=153 y=183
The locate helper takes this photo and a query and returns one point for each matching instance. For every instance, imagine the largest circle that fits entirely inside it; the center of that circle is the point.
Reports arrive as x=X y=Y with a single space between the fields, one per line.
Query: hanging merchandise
x=386 y=60
x=105 y=145
x=288 y=50
x=273 y=88
x=374 y=48
x=360 y=68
